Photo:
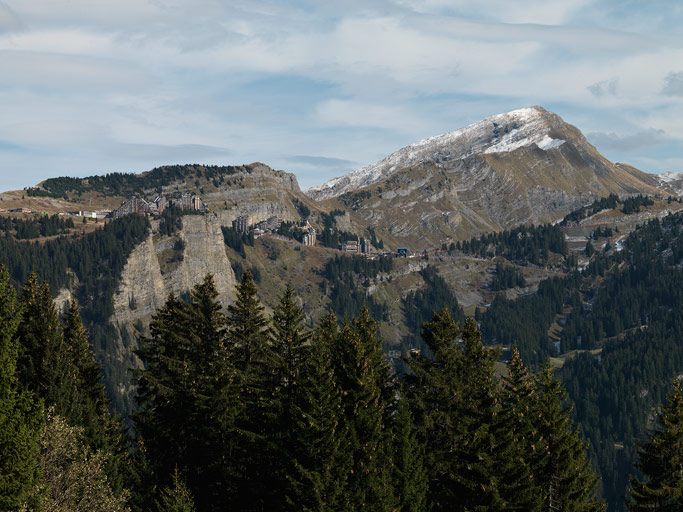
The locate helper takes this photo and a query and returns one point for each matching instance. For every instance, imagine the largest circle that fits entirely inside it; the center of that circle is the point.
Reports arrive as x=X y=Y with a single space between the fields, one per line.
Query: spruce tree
x=20 y=414
x=565 y=476
x=434 y=391
x=250 y=348
x=184 y=409
x=176 y=497
x=363 y=376
x=519 y=445
x=454 y=398
x=289 y=341
x=102 y=430
x=319 y=454
x=45 y=362
x=661 y=461
x=410 y=476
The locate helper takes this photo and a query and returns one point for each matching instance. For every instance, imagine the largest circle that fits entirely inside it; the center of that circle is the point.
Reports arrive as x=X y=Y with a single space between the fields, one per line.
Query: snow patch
x=495 y=134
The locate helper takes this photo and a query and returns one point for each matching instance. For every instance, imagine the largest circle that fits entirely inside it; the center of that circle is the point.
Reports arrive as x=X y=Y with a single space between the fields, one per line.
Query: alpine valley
x=516 y=221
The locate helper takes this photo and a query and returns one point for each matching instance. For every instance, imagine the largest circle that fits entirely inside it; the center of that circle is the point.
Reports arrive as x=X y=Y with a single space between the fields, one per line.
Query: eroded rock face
x=144 y=288
x=526 y=166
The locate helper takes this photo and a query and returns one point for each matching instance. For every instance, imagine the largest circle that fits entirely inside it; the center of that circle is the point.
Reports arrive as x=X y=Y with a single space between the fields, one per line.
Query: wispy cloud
x=628 y=143
x=673 y=84
x=136 y=83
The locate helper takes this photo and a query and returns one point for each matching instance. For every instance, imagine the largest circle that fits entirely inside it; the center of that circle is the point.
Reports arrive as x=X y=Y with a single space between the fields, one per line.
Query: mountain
x=525 y=166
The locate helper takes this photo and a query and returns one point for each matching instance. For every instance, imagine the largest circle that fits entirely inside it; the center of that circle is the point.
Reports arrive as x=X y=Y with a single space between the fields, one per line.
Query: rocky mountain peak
x=499 y=133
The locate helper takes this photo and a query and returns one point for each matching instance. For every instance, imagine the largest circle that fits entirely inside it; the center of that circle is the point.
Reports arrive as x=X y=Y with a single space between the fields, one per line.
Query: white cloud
x=353 y=79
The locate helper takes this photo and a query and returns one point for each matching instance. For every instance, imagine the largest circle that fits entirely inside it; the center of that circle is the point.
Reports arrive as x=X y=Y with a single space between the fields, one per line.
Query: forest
x=125 y=184
x=240 y=410
x=524 y=245
x=43 y=226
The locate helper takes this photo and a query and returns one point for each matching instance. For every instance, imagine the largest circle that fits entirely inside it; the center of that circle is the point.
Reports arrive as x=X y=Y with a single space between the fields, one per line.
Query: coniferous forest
x=239 y=410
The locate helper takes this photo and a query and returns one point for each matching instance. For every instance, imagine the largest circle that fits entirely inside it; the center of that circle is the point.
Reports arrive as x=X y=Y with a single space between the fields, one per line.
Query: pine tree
x=454 y=399
x=363 y=376
x=661 y=461
x=45 y=366
x=289 y=343
x=103 y=431
x=320 y=455
x=20 y=414
x=475 y=474
x=251 y=351
x=184 y=408
x=176 y=497
x=519 y=446
x=566 y=477
x=410 y=476
x=434 y=391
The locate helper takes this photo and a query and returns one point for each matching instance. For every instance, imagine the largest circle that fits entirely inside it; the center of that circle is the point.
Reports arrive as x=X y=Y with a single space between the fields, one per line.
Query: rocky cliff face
x=526 y=166
x=145 y=285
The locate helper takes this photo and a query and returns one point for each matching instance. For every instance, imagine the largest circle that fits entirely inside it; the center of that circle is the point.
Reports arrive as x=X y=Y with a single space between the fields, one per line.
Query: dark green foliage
x=171 y=221
x=331 y=236
x=410 y=475
x=24 y=229
x=20 y=413
x=454 y=402
x=566 y=477
x=236 y=241
x=523 y=245
x=120 y=184
x=524 y=322
x=291 y=230
x=506 y=276
x=363 y=377
x=520 y=445
x=419 y=305
x=602 y=232
x=633 y=204
x=604 y=203
x=376 y=243
x=251 y=353
x=589 y=250
x=354 y=200
x=176 y=497
x=302 y=209
x=348 y=278
x=185 y=410
x=660 y=461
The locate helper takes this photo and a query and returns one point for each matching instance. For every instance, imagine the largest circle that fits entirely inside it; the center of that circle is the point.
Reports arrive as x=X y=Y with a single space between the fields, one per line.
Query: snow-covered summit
x=496 y=134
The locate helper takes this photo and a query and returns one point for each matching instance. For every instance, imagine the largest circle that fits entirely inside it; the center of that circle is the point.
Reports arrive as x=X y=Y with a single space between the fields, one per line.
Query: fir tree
x=176 y=497
x=251 y=351
x=455 y=402
x=661 y=461
x=20 y=414
x=45 y=364
x=289 y=339
x=103 y=431
x=320 y=455
x=566 y=477
x=410 y=476
x=519 y=446
x=363 y=374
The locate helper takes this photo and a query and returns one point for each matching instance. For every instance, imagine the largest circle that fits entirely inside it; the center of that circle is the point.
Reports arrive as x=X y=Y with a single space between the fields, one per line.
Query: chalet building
x=134 y=205
x=241 y=224
x=351 y=247
x=309 y=237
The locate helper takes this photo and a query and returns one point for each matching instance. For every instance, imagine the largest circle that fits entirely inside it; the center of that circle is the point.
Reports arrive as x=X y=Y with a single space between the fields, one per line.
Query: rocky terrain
x=525 y=166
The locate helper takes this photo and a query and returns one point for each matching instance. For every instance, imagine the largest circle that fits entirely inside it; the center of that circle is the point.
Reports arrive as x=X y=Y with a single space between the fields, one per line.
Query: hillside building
x=350 y=246
x=241 y=224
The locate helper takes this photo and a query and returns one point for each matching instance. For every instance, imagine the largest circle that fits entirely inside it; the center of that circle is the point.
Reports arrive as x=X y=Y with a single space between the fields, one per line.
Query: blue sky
x=322 y=87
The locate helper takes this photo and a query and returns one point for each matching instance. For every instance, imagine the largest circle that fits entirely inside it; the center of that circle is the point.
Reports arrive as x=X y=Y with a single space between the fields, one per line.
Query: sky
x=322 y=87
